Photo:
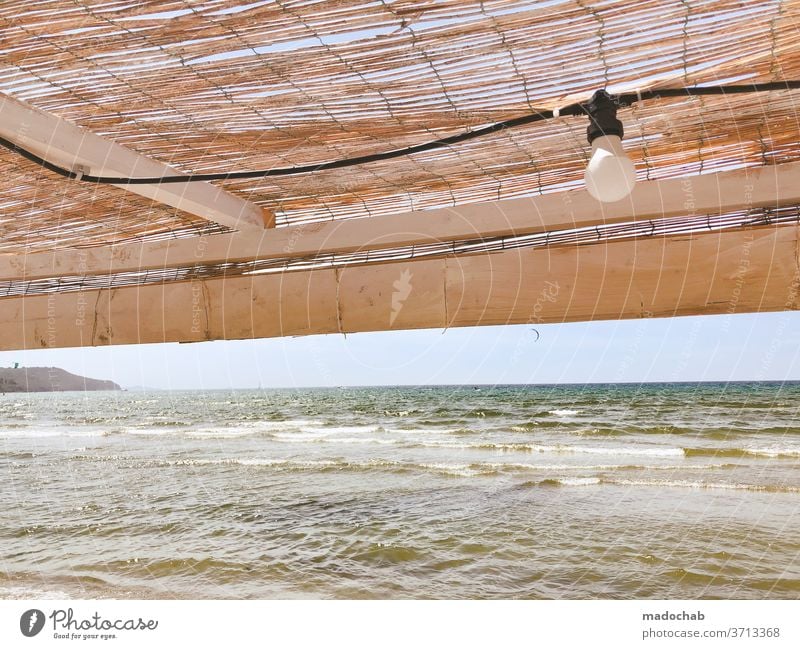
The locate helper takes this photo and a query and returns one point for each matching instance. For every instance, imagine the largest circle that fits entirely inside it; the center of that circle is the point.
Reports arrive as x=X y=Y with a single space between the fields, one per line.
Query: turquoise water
x=655 y=491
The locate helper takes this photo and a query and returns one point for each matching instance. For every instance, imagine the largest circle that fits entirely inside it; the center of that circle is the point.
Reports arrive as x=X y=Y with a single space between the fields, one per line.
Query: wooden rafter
x=768 y=186
x=75 y=148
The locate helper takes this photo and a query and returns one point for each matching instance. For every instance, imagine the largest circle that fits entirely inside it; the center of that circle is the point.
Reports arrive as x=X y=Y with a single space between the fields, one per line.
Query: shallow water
x=656 y=491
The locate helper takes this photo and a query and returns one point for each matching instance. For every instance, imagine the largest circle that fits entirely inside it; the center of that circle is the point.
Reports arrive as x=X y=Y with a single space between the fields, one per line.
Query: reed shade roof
x=226 y=86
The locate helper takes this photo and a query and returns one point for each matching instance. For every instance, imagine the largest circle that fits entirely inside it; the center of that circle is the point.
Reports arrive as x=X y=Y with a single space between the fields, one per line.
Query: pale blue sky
x=742 y=347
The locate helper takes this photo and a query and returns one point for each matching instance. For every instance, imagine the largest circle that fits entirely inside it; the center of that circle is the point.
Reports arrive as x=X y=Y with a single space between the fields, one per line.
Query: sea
x=546 y=491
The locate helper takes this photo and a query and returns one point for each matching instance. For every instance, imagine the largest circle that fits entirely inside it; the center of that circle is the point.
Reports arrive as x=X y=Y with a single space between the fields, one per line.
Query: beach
x=585 y=491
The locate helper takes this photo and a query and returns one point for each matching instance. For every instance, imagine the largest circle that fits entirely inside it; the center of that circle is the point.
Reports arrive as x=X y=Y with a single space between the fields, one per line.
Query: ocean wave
x=631 y=429
x=602 y=432
x=427 y=430
x=334 y=430
x=743 y=405
x=363 y=440
x=465 y=470
x=31 y=593
x=568 y=482
x=600 y=429
x=317 y=435
x=565 y=449
x=771 y=452
x=485 y=412
x=327 y=435
x=393 y=413
x=565 y=412
x=381 y=554
x=307 y=464
x=742 y=428
x=256 y=428
x=164 y=567
x=17 y=455
x=39 y=433
x=440 y=422
x=673 y=484
x=688 y=484
x=461 y=469
x=303 y=438
x=516 y=466
x=538 y=425
x=150 y=432
x=162 y=422
x=222 y=433
x=285 y=432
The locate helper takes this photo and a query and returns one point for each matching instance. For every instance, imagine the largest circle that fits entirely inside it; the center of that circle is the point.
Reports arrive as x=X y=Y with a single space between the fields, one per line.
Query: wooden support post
x=70 y=146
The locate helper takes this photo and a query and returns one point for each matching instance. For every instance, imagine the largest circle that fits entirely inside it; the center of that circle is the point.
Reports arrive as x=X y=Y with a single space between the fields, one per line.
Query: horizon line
x=138 y=388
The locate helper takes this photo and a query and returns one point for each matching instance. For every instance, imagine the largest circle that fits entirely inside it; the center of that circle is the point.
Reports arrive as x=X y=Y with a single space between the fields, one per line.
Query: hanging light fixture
x=610 y=174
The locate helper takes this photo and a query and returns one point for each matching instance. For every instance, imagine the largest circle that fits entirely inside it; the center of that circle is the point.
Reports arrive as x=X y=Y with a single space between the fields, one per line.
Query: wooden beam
x=720 y=272
x=768 y=186
x=70 y=146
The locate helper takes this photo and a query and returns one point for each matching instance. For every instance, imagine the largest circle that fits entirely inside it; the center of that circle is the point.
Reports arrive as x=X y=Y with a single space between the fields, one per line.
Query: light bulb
x=610 y=174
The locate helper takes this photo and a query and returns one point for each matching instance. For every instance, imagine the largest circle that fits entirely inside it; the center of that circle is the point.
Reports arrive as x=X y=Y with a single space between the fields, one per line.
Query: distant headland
x=48 y=379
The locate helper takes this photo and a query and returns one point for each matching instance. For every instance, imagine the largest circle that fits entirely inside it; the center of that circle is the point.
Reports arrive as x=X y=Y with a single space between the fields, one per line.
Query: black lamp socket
x=602 y=113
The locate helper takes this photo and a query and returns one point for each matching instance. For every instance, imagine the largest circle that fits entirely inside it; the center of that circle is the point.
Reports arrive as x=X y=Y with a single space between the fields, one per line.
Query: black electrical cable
x=574 y=109
x=694 y=91
x=625 y=99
